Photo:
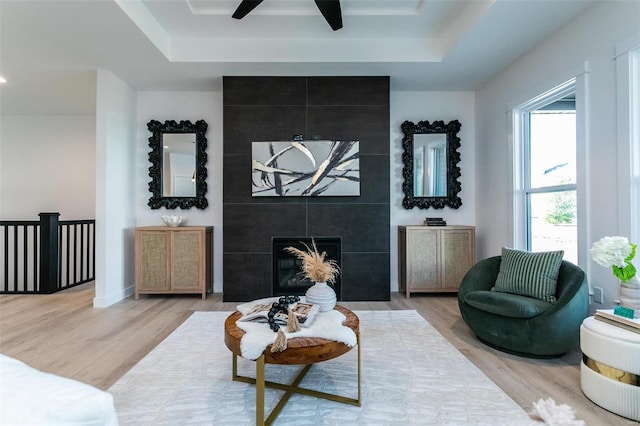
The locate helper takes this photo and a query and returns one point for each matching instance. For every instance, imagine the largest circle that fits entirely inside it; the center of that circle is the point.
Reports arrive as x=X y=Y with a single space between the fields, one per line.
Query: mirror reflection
x=179 y=165
x=430 y=165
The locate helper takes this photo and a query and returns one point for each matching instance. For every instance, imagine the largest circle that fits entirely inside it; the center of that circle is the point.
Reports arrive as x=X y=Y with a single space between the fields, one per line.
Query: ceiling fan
x=330 y=9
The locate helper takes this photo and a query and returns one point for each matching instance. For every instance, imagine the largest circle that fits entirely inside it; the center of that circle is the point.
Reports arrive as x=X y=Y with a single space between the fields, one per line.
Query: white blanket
x=32 y=397
x=327 y=325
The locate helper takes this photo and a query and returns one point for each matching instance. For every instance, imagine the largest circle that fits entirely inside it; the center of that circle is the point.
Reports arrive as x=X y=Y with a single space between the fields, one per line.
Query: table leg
x=234 y=367
x=359 y=401
x=260 y=391
x=261 y=384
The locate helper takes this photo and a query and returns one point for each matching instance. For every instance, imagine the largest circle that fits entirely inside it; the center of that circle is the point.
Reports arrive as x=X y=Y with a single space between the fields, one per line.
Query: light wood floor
x=63 y=334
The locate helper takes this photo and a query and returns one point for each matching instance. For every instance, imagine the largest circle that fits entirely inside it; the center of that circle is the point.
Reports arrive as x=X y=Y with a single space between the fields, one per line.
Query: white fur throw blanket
x=327 y=325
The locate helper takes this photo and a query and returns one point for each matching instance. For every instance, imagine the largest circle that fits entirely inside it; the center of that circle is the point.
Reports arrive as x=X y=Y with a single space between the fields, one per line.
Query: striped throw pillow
x=532 y=274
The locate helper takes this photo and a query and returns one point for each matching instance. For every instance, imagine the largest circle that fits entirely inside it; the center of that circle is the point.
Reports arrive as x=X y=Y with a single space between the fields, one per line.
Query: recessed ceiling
x=52 y=47
x=294 y=30
x=277 y=18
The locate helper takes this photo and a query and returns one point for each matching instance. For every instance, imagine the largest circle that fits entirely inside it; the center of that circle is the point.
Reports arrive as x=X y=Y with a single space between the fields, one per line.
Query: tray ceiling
x=50 y=49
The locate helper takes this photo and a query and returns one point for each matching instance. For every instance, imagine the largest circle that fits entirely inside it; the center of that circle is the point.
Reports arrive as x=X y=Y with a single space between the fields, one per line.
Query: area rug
x=410 y=375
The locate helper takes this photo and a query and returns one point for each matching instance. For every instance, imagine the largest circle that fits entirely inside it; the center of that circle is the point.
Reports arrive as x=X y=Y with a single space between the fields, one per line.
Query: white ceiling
x=50 y=49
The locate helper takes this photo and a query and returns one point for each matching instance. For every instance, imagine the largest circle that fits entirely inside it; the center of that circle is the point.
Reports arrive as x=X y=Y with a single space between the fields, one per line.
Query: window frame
x=628 y=140
x=528 y=189
x=521 y=219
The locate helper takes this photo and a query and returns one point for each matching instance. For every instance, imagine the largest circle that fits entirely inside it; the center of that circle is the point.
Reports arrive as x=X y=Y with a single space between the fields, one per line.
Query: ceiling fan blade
x=245 y=7
x=330 y=9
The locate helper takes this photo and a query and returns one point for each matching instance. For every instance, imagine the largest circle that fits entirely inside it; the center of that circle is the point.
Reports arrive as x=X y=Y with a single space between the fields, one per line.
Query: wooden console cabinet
x=434 y=258
x=174 y=260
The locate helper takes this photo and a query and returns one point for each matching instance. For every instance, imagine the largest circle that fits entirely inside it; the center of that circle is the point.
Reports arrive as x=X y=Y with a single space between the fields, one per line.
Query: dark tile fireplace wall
x=275 y=109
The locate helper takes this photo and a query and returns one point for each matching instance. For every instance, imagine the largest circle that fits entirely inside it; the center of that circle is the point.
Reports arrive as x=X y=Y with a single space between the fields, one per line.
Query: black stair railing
x=46 y=256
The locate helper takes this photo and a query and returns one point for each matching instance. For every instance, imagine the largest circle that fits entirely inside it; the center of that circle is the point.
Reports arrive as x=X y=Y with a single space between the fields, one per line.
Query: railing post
x=48 y=252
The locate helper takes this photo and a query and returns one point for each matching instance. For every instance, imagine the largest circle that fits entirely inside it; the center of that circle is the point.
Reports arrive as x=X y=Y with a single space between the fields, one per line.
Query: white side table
x=610 y=371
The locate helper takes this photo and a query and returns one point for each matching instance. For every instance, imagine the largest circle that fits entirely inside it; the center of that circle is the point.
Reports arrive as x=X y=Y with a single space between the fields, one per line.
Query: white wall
x=115 y=189
x=432 y=106
x=413 y=106
x=113 y=153
x=591 y=38
x=47 y=164
x=193 y=106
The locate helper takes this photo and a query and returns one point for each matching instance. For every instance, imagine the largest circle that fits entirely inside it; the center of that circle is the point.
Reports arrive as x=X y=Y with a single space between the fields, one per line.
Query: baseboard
x=115 y=297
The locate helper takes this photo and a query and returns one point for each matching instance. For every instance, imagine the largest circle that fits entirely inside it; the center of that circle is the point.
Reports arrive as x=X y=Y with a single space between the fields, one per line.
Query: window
x=547 y=167
x=634 y=130
x=628 y=132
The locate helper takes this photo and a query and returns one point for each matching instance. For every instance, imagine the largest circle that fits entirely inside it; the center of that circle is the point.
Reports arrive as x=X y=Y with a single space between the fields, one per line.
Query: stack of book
x=305 y=312
x=607 y=315
x=435 y=221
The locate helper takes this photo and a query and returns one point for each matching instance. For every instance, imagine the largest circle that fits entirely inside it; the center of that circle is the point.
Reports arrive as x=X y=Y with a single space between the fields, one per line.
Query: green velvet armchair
x=523 y=325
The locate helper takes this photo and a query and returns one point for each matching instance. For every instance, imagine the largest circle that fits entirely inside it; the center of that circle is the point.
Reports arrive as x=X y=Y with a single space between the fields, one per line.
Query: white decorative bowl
x=174 y=219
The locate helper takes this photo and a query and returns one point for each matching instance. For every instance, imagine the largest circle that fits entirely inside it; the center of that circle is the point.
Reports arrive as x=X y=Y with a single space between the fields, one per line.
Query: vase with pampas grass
x=317 y=268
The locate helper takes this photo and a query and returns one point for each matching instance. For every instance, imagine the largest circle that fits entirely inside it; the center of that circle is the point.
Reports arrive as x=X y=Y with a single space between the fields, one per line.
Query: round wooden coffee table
x=300 y=351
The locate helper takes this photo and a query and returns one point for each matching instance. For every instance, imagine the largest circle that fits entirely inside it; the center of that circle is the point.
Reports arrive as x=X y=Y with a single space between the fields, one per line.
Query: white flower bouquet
x=615 y=253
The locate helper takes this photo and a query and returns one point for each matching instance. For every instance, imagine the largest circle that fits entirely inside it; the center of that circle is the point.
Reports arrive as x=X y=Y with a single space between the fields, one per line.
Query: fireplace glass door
x=287 y=268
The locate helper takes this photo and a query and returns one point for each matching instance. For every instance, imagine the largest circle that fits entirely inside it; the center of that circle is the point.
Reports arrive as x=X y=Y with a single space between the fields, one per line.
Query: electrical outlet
x=597 y=295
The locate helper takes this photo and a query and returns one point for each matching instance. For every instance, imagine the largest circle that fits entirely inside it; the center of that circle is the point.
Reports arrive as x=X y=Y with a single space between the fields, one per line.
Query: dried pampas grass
x=315 y=265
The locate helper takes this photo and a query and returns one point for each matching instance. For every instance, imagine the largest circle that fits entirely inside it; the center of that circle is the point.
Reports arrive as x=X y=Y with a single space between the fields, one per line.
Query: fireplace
x=269 y=108
x=287 y=267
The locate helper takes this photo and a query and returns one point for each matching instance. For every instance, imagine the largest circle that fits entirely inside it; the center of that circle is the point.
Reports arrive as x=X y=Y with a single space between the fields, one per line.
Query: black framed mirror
x=178 y=168
x=430 y=157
